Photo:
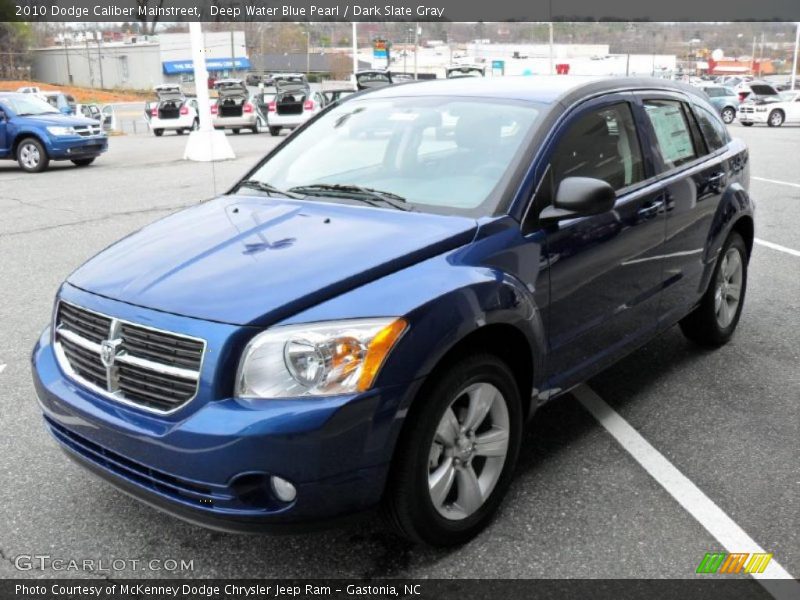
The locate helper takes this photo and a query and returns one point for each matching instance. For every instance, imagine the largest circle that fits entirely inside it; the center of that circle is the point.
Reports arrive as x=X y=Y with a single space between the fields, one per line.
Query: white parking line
x=776 y=181
x=732 y=537
x=777 y=247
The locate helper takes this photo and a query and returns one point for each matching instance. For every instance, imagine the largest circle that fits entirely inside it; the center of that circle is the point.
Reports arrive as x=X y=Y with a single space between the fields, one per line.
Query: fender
x=445 y=299
x=736 y=204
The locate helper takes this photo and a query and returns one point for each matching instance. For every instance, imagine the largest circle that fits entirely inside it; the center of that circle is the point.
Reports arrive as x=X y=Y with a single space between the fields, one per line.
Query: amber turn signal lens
x=378 y=350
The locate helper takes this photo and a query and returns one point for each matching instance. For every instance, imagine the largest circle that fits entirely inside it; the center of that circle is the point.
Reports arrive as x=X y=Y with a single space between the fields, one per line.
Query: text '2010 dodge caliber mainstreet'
x=370 y=315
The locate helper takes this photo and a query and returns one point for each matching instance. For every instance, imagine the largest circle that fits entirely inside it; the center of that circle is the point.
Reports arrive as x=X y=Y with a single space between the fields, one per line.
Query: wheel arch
x=23 y=135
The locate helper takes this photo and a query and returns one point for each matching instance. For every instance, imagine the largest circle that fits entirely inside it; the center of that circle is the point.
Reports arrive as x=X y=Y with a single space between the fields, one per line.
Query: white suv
x=293 y=105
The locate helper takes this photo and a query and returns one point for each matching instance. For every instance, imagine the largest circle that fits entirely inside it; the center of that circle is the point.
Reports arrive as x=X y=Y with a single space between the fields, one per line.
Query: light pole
x=794 y=60
x=206 y=143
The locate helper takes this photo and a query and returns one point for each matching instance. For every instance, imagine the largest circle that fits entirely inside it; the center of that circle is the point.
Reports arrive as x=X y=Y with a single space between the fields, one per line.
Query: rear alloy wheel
x=775 y=118
x=728 y=115
x=713 y=322
x=83 y=162
x=32 y=156
x=456 y=459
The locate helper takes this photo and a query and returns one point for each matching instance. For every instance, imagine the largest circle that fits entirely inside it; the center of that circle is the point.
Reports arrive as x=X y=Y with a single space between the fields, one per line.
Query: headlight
x=318 y=359
x=57 y=131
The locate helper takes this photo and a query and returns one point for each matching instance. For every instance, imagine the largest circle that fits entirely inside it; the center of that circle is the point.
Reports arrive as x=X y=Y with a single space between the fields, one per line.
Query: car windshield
x=434 y=154
x=26 y=104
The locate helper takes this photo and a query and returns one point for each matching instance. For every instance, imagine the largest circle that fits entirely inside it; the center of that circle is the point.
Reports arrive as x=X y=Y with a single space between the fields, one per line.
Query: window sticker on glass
x=672 y=131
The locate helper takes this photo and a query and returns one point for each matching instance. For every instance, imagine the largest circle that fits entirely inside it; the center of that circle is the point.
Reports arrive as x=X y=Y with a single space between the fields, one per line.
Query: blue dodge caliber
x=371 y=314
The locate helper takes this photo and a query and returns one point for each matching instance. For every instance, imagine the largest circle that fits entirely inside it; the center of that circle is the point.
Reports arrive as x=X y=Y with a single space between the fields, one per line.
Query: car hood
x=254 y=261
x=60 y=119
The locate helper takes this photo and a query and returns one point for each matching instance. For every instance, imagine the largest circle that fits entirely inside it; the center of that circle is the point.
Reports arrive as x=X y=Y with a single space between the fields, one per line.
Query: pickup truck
x=33 y=133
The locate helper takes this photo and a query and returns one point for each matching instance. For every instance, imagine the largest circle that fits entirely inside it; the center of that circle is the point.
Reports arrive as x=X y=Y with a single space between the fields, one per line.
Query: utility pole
x=233 y=52
x=355 y=50
x=551 y=49
x=753 y=58
x=308 y=52
x=761 y=54
x=416 y=43
x=66 y=55
x=794 y=60
x=88 y=58
x=100 y=59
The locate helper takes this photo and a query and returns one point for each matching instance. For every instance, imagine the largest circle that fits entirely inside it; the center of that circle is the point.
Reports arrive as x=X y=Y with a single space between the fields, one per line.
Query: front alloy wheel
x=32 y=156
x=775 y=118
x=457 y=453
x=468 y=451
x=728 y=115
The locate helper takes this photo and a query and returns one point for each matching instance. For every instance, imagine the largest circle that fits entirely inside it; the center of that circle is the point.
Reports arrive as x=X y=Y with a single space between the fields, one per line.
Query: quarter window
x=672 y=131
x=601 y=144
x=713 y=129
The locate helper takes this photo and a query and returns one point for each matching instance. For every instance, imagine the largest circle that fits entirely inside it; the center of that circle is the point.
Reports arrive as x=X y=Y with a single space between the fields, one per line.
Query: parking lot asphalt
x=580 y=506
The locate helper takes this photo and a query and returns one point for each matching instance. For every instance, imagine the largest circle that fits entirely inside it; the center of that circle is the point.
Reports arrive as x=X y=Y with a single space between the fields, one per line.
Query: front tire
x=713 y=322
x=456 y=456
x=775 y=118
x=728 y=115
x=32 y=156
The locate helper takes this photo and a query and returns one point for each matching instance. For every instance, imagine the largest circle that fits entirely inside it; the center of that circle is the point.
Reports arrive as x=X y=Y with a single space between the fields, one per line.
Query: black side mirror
x=579 y=197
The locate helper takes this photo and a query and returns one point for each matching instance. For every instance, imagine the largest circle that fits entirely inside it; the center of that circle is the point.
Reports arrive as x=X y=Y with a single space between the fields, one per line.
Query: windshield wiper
x=265 y=187
x=356 y=192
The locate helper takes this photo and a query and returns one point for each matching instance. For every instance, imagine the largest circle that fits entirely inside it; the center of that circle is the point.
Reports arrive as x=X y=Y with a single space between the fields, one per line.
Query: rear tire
x=179 y=132
x=775 y=118
x=713 y=322
x=254 y=129
x=274 y=131
x=32 y=156
x=158 y=132
x=747 y=124
x=728 y=115
x=83 y=162
x=436 y=493
x=236 y=131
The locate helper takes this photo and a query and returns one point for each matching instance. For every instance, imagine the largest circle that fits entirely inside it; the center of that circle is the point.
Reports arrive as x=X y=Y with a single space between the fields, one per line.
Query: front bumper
x=210 y=461
x=70 y=147
x=752 y=117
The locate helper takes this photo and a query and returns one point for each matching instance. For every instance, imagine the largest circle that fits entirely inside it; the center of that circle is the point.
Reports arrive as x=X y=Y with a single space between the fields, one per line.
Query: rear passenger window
x=673 y=132
x=601 y=144
x=714 y=131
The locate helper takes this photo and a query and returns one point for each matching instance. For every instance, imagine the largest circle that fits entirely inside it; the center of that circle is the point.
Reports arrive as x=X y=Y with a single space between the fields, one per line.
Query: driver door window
x=602 y=144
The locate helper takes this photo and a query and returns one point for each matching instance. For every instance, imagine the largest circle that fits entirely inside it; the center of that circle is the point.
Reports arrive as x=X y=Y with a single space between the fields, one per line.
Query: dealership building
x=140 y=62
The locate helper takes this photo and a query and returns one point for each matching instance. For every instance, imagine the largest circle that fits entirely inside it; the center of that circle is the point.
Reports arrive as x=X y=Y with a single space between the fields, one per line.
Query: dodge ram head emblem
x=108 y=353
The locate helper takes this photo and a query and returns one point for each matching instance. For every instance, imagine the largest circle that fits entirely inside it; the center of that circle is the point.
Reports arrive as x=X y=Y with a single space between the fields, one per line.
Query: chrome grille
x=88 y=130
x=153 y=369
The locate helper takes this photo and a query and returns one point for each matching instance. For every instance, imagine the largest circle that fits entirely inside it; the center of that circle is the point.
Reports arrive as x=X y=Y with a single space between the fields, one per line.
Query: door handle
x=716 y=178
x=651 y=209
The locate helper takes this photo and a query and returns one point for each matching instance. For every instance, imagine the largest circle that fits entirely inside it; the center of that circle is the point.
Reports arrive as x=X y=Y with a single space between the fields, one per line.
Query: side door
x=694 y=174
x=603 y=273
x=4 y=137
x=793 y=110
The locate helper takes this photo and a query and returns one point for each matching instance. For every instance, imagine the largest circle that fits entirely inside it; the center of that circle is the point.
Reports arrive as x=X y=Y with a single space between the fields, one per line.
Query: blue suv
x=372 y=313
x=33 y=133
